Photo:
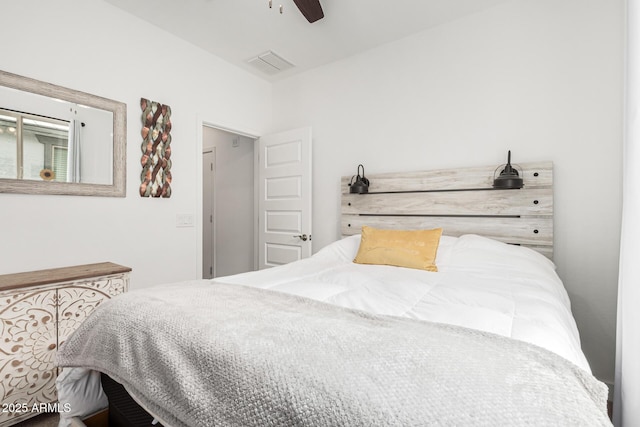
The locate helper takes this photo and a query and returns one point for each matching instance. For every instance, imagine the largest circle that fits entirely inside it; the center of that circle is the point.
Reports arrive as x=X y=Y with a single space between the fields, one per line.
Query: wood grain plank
x=57 y=275
x=510 y=230
x=487 y=202
x=535 y=175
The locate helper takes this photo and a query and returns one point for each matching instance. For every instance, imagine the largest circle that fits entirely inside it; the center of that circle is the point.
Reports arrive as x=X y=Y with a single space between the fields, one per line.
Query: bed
x=487 y=339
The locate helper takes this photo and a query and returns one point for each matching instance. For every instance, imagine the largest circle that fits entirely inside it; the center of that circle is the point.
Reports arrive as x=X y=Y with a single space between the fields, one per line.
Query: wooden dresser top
x=56 y=275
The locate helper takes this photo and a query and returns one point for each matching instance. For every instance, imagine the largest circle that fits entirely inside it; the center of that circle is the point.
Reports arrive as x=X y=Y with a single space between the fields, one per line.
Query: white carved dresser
x=38 y=311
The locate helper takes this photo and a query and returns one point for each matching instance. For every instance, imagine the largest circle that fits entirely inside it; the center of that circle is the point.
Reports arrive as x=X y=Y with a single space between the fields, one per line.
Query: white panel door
x=284 y=197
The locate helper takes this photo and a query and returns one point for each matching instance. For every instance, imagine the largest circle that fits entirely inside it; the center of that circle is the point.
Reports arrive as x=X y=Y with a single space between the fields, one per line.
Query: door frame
x=214 y=236
x=199 y=187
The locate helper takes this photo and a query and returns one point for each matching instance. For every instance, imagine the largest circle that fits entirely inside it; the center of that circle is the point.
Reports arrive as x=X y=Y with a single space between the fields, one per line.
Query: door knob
x=302 y=237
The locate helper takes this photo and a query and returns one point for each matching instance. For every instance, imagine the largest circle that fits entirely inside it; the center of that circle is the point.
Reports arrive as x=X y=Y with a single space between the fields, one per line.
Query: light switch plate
x=184 y=220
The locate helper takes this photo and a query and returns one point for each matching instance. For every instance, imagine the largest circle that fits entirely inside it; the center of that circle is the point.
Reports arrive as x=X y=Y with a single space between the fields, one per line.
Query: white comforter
x=481 y=284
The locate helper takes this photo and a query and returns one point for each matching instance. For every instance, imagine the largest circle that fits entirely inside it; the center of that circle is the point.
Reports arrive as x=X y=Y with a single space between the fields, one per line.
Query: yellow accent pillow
x=400 y=248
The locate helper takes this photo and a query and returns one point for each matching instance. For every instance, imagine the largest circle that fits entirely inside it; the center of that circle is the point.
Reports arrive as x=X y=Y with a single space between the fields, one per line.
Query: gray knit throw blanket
x=207 y=354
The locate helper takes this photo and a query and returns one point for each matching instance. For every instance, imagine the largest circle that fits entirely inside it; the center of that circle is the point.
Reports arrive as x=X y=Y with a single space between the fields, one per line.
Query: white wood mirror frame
x=117 y=188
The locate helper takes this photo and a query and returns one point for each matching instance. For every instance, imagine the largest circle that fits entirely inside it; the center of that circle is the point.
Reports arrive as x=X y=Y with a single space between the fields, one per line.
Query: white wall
x=540 y=77
x=89 y=45
x=233 y=197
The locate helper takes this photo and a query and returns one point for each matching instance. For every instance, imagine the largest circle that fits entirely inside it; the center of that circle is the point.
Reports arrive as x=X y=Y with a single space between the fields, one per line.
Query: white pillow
x=475 y=251
x=80 y=394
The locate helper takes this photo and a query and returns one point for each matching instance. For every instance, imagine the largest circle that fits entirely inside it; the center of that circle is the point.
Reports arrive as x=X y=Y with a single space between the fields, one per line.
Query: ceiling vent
x=270 y=63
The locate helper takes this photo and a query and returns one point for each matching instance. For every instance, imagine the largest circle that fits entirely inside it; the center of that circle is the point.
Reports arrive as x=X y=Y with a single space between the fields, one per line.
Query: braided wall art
x=156 y=149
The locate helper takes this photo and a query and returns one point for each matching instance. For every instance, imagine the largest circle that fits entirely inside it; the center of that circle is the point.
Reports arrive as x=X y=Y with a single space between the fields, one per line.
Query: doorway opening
x=227 y=203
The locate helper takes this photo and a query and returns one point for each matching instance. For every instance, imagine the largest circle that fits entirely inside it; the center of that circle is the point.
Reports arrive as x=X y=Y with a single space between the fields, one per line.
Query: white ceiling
x=239 y=30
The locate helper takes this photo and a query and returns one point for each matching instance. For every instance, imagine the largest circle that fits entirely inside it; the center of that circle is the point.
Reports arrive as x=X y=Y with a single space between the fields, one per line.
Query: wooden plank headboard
x=461 y=201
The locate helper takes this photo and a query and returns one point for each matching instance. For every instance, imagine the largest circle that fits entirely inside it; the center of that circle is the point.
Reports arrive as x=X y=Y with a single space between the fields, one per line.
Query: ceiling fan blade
x=311 y=9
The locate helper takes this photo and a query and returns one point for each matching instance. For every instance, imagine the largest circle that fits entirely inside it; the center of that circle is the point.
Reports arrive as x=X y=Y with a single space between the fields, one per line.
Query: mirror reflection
x=55 y=140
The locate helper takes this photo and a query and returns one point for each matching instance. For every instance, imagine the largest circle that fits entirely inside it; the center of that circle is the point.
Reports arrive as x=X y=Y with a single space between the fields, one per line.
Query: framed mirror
x=55 y=140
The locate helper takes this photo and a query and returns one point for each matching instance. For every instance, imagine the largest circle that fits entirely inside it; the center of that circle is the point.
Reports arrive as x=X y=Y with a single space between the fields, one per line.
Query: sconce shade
x=509 y=177
x=361 y=186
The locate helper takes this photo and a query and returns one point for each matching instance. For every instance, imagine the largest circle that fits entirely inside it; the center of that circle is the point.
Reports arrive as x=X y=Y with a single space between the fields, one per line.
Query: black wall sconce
x=361 y=186
x=509 y=177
